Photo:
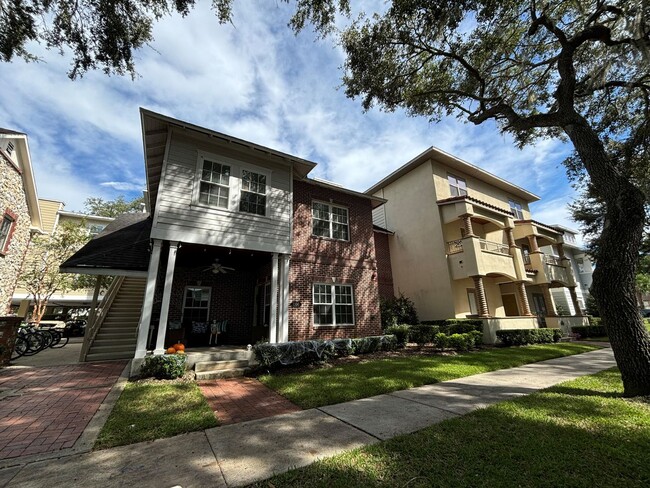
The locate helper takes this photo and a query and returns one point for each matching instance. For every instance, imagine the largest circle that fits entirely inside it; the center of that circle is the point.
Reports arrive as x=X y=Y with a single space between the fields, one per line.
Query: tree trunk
x=614 y=286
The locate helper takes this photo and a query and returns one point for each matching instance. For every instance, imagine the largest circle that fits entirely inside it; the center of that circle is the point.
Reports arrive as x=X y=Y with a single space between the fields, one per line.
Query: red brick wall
x=318 y=260
x=384 y=270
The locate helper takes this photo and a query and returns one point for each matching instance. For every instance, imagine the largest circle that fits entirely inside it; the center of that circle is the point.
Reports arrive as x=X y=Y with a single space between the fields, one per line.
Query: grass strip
x=328 y=386
x=580 y=433
x=149 y=410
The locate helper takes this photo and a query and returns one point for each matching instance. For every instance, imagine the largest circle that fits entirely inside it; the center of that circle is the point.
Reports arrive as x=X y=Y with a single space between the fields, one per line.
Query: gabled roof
x=155 y=128
x=458 y=164
x=25 y=168
x=374 y=201
x=121 y=248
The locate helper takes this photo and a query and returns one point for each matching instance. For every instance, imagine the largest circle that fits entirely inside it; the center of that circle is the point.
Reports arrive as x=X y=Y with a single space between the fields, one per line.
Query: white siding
x=379 y=216
x=178 y=217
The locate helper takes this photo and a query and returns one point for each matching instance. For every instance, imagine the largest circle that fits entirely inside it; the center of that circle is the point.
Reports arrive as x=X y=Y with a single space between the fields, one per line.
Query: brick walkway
x=241 y=399
x=47 y=409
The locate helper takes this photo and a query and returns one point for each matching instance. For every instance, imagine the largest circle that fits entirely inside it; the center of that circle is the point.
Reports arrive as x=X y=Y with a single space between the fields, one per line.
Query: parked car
x=645 y=312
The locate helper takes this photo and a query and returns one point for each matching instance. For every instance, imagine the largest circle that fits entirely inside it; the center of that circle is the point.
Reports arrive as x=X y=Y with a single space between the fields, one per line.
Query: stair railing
x=98 y=319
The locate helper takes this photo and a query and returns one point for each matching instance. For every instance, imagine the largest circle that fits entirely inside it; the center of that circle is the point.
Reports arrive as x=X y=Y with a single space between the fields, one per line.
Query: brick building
x=238 y=245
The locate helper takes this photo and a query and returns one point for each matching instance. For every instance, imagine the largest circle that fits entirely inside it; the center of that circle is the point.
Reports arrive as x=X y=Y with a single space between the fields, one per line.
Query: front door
x=540 y=308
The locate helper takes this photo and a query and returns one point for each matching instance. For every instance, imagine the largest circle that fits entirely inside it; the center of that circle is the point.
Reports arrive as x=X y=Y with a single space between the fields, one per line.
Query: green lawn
x=153 y=410
x=577 y=434
x=347 y=382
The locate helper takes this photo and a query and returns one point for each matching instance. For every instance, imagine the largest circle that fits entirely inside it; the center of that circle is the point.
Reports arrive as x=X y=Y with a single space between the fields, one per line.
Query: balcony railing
x=554 y=260
x=454 y=247
x=526 y=259
x=491 y=246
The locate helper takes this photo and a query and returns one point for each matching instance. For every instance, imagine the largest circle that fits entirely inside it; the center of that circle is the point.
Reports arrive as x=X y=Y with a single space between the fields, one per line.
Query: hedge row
x=521 y=337
x=590 y=330
x=426 y=332
x=430 y=334
x=307 y=352
x=456 y=326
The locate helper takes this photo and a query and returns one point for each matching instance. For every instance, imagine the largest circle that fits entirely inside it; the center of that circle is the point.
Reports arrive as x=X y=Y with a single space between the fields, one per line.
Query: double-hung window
x=253 y=193
x=457 y=186
x=214 y=187
x=333 y=304
x=516 y=209
x=330 y=221
x=6 y=227
x=196 y=305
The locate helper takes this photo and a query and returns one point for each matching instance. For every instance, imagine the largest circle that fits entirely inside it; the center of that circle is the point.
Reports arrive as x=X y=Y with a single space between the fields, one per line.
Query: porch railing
x=491 y=246
x=554 y=260
x=454 y=247
x=97 y=318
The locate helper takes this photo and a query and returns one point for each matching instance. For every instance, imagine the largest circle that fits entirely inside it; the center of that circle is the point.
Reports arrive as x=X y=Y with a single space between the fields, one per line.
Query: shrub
x=590 y=330
x=456 y=326
x=167 y=366
x=307 y=352
x=423 y=334
x=401 y=333
x=521 y=337
x=458 y=342
x=400 y=310
x=595 y=321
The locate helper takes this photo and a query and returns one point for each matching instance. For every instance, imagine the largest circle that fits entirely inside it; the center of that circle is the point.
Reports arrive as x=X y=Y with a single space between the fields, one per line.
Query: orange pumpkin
x=171 y=350
x=179 y=347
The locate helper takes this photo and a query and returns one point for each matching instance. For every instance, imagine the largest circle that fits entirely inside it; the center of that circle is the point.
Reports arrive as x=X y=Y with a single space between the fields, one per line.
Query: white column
x=283 y=327
x=273 y=329
x=167 y=295
x=147 y=305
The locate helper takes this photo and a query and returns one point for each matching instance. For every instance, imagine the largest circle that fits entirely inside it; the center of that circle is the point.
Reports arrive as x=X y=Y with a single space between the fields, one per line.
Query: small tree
x=400 y=310
x=112 y=208
x=40 y=275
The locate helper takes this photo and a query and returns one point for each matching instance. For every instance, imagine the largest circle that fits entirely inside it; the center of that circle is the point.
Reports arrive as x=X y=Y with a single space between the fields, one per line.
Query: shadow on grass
x=549 y=439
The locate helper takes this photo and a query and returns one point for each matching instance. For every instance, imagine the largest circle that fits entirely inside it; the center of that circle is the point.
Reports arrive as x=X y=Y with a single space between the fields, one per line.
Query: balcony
x=472 y=256
x=550 y=269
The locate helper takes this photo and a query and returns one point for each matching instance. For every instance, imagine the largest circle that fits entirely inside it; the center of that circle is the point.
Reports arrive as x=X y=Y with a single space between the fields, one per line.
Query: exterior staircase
x=222 y=362
x=114 y=334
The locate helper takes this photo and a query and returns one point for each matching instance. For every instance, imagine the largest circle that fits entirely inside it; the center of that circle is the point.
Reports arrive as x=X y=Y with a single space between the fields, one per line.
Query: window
x=471 y=299
x=214 y=188
x=330 y=221
x=516 y=209
x=333 y=305
x=457 y=186
x=569 y=237
x=253 y=193
x=94 y=229
x=6 y=229
x=196 y=305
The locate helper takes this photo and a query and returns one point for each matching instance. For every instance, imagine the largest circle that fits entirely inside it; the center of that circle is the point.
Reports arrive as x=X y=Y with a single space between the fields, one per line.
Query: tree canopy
x=112 y=208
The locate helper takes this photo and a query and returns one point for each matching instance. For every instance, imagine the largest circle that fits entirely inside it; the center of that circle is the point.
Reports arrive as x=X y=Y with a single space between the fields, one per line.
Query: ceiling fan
x=217 y=268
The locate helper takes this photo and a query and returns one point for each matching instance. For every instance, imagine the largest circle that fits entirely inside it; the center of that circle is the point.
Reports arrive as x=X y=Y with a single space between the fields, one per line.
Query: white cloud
x=123 y=185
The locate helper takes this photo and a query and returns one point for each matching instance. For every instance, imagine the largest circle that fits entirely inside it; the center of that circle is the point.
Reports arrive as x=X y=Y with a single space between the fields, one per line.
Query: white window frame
x=332 y=304
x=460 y=191
x=517 y=209
x=240 y=184
x=209 y=290
x=237 y=169
x=331 y=222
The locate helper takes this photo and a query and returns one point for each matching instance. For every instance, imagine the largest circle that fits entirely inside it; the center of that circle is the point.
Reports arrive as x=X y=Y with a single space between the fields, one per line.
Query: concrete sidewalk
x=239 y=454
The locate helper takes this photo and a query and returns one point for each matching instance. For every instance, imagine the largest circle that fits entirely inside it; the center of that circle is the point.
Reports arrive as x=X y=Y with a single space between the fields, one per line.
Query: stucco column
x=511 y=237
x=483 y=310
x=147 y=304
x=548 y=300
x=166 y=299
x=273 y=326
x=560 y=251
x=467 y=222
x=523 y=298
x=532 y=240
x=574 y=299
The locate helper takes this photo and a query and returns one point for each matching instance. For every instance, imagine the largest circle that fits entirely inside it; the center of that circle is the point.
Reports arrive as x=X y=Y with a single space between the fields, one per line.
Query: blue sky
x=255 y=80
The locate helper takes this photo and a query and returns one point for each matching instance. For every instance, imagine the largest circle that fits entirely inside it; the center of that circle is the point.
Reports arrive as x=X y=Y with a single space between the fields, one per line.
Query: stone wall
x=12 y=198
